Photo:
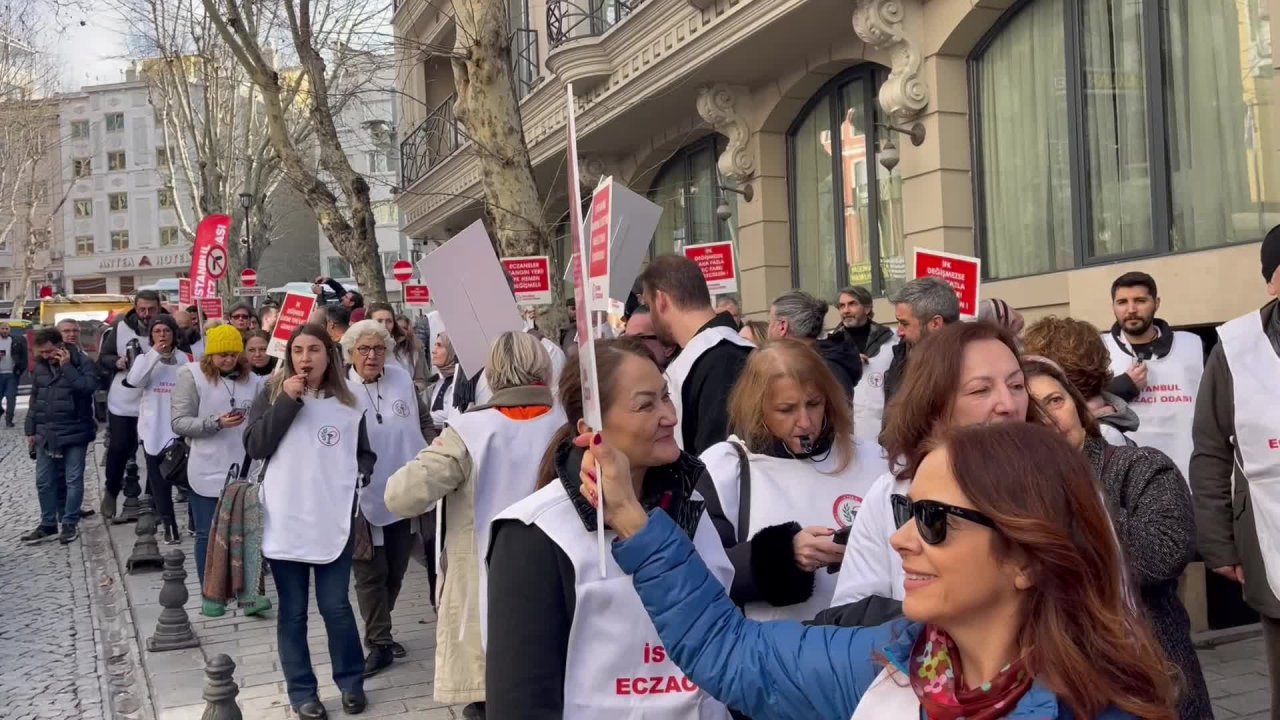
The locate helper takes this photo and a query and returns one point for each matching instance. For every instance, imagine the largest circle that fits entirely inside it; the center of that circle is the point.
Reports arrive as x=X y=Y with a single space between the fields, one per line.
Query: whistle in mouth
x=806 y=445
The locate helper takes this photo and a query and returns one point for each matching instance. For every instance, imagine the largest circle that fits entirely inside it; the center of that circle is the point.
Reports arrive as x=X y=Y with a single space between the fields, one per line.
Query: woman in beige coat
x=482 y=463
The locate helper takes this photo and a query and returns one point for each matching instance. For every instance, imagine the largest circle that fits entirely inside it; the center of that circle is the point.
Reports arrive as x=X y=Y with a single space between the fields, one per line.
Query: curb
x=1214 y=638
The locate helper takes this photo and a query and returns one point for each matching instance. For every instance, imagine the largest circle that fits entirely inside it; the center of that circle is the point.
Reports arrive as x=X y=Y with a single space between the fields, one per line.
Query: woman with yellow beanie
x=209 y=409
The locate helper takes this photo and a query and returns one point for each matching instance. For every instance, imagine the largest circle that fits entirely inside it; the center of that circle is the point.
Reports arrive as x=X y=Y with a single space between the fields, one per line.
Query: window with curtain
x=846 y=209
x=1108 y=129
x=687 y=189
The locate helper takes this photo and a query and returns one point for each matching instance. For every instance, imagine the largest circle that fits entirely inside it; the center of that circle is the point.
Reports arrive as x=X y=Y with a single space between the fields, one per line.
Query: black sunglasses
x=931 y=517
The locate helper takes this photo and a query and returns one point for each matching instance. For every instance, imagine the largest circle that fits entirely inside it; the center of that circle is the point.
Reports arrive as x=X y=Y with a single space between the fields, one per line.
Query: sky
x=91 y=54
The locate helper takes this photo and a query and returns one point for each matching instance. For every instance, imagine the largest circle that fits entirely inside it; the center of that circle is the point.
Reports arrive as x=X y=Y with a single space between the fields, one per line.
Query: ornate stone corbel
x=717 y=104
x=883 y=25
x=591 y=168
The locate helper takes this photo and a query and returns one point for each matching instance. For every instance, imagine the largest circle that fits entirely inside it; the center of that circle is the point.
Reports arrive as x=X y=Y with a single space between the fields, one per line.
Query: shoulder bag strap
x=744 y=493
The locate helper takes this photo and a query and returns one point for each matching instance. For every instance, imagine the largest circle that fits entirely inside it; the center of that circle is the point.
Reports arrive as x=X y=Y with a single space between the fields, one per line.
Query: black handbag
x=173 y=463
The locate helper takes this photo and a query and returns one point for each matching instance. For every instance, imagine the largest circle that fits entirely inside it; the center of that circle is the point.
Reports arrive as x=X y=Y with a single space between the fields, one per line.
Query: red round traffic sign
x=215 y=263
x=402 y=271
x=248 y=277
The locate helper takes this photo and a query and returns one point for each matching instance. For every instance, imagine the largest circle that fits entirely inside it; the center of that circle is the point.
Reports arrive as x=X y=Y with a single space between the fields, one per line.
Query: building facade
x=1063 y=142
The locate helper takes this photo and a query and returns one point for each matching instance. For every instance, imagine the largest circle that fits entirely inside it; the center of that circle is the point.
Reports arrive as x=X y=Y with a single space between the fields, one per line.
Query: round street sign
x=215 y=263
x=248 y=277
x=402 y=271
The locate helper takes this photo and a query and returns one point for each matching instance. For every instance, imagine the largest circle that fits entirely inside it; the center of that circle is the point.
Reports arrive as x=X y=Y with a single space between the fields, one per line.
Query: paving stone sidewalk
x=176 y=678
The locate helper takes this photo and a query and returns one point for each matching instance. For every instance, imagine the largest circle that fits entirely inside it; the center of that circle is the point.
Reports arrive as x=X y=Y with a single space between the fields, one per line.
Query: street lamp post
x=246 y=202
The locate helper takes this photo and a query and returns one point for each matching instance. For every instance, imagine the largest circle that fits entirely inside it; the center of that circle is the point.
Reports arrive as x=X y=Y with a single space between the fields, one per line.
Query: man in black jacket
x=712 y=353
x=858 y=328
x=59 y=427
x=799 y=315
x=128 y=337
x=13 y=362
x=921 y=306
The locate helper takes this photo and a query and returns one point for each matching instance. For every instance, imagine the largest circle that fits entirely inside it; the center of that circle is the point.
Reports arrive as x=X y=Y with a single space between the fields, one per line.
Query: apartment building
x=1062 y=141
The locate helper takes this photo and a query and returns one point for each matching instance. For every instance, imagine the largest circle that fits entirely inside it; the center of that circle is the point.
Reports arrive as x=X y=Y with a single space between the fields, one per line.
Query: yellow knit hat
x=223 y=339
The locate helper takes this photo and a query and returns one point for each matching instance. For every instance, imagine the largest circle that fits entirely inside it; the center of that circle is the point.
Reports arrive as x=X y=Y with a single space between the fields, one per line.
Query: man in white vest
x=1235 y=468
x=875 y=344
x=712 y=353
x=1157 y=370
x=127 y=338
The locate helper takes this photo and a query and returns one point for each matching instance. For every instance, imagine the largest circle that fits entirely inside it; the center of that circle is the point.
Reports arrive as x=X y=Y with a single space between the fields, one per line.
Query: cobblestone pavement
x=49 y=662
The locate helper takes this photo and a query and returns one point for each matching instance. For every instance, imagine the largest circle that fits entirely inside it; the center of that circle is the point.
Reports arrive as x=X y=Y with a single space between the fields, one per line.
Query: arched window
x=688 y=189
x=846 y=209
x=1106 y=130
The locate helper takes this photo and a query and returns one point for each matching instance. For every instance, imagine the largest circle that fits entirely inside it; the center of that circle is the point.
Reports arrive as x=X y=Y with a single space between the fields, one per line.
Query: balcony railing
x=570 y=20
x=524 y=60
x=436 y=138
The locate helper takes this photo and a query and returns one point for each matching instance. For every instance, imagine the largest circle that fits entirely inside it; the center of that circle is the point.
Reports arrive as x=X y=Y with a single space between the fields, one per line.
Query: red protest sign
x=598 y=244
x=417 y=295
x=210 y=307
x=715 y=260
x=530 y=278
x=961 y=272
x=294 y=312
x=184 y=292
x=209 y=255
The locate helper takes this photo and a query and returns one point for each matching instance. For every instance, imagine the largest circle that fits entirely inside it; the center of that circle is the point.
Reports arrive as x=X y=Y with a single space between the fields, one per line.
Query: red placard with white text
x=210 y=308
x=209 y=255
x=715 y=260
x=294 y=312
x=184 y=292
x=599 y=245
x=530 y=278
x=417 y=295
x=961 y=272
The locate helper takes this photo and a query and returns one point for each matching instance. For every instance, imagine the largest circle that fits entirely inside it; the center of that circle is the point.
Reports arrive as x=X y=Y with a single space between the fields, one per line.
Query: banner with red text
x=716 y=262
x=209 y=259
x=961 y=272
x=530 y=278
x=294 y=312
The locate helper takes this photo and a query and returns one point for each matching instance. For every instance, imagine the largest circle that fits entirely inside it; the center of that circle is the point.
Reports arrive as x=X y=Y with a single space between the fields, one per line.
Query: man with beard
x=712 y=353
x=922 y=306
x=875 y=344
x=640 y=326
x=1156 y=369
x=128 y=337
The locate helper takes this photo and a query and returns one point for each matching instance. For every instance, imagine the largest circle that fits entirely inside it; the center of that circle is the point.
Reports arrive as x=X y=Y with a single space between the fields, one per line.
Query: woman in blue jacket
x=1014 y=600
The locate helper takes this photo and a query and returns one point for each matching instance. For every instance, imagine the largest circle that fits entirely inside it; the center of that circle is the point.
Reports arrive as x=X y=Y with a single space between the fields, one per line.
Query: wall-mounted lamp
x=722 y=210
x=889 y=154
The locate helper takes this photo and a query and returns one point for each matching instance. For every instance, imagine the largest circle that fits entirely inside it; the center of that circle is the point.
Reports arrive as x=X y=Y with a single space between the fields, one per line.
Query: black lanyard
x=377 y=406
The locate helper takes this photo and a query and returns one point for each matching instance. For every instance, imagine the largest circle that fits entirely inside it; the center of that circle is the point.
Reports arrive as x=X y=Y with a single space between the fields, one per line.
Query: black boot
x=378 y=659
x=108 y=505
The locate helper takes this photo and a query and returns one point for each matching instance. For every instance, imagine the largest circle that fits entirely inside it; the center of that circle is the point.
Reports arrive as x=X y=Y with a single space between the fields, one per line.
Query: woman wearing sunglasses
x=789 y=478
x=963 y=374
x=1151 y=510
x=1014 y=600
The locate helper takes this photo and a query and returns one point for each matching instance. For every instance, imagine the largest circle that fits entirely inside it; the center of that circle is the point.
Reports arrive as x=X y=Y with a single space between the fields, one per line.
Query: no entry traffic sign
x=402 y=271
x=248 y=277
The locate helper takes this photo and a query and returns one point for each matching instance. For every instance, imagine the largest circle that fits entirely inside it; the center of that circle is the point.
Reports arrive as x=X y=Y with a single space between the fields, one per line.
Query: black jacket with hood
x=877 y=337
x=843 y=360
x=108 y=353
x=1122 y=385
x=705 y=392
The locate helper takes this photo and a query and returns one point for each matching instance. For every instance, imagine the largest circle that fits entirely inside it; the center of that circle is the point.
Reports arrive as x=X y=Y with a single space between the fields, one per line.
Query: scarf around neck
x=937 y=678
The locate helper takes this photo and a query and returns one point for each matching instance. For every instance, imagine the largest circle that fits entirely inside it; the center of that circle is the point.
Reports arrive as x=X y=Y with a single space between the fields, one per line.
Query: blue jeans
x=333 y=582
x=202 y=510
x=67 y=471
x=8 y=391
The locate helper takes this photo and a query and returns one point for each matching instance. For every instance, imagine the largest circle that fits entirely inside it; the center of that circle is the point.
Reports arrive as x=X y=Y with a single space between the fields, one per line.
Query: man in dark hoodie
x=712 y=354
x=799 y=316
x=1235 y=467
x=1156 y=369
x=127 y=338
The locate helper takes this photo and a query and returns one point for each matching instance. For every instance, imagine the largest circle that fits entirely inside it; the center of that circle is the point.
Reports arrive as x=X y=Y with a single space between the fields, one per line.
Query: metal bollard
x=145 y=549
x=220 y=690
x=173 y=629
x=132 y=489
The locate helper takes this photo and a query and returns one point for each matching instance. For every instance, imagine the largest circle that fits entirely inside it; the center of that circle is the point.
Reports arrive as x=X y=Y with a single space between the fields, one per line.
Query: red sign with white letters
x=961 y=272
x=715 y=260
x=530 y=278
x=417 y=295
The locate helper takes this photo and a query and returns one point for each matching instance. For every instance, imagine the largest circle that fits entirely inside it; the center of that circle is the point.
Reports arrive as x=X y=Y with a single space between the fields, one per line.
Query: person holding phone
x=208 y=406
x=155 y=372
x=790 y=476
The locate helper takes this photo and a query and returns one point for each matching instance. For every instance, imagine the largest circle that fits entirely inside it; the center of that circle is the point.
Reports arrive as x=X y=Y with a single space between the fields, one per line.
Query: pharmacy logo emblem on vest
x=845 y=509
x=328 y=436
x=400 y=408
x=876 y=379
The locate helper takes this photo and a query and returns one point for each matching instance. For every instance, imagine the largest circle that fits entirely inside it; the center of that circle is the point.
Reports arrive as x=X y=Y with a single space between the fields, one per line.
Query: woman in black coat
x=1151 y=511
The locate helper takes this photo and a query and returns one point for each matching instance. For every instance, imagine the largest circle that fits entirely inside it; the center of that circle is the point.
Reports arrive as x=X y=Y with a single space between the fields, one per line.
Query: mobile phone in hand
x=841 y=536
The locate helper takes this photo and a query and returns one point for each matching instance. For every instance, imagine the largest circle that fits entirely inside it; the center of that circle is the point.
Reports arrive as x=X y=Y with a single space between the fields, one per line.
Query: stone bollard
x=173 y=629
x=220 y=691
x=132 y=489
x=145 y=549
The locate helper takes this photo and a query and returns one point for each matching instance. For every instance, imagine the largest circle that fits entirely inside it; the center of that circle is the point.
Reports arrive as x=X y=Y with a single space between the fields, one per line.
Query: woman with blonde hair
x=790 y=476
x=309 y=429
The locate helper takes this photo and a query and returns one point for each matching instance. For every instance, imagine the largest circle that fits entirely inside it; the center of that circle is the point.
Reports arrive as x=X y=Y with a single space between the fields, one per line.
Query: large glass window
x=1108 y=129
x=846 y=209
x=688 y=189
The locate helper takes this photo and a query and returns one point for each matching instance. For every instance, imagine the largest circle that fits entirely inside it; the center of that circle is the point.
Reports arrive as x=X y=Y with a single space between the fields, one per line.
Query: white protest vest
x=505 y=454
x=212 y=457
x=123 y=400
x=889 y=697
x=868 y=394
x=792 y=490
x=309 y=487
x=447 y=412
x=1167 y=405
x=396 y=439
x=155 y=428
x=1255 y=378
x=617 y=667
x=679 y=368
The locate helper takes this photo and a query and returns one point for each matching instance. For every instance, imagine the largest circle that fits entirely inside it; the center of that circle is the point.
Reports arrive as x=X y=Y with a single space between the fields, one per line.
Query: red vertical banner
x=209 y=255
x=184 y=293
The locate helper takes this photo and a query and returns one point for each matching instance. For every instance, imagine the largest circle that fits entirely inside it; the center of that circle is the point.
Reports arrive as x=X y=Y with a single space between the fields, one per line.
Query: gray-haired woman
x=478 y=467
x=398 y=426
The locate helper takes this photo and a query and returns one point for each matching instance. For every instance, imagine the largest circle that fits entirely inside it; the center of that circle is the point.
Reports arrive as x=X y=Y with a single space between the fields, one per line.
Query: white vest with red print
x=616 y=666
x=868 y=395
x=679 y=368
x=1255 y=378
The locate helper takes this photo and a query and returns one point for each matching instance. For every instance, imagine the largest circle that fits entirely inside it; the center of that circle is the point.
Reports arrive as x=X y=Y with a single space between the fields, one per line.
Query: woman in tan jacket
x=481 y=464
